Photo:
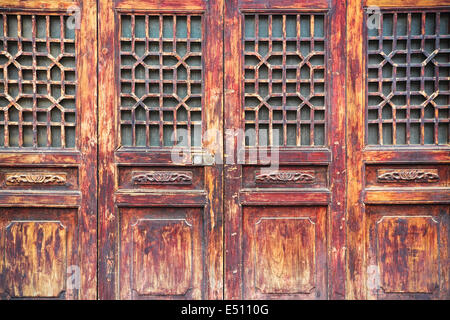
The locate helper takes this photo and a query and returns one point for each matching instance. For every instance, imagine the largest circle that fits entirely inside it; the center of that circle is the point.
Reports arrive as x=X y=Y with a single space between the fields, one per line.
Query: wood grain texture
x=79 y=165
x=232 y=172
x=175 y=185
x=39 y=246
x=160 y=265
x=339 y=147
x=381 y=178
x=286 y=263
x=35 y=261
x=265 y=190
x=162 y=253
x=406 y=3
x=161 y=5
x=35 y=178
x=60 y=5
x=408 y=254
x=355 y=277
x=407 y=251
x=284 y=253
x=107 y=264
x=257 y=5
x=87 y=104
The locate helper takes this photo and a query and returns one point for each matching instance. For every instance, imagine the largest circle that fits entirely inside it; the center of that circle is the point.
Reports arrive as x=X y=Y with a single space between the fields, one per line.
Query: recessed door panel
x=284 y=252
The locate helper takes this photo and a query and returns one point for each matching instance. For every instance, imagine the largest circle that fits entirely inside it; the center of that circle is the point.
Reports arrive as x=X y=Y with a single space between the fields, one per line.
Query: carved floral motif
x=286 y=177
x=408 y=175
x=35 y=178
x=162 y=177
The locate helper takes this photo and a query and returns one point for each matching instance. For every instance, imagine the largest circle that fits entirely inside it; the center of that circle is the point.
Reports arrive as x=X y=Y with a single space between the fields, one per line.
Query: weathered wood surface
x=379 y=179
x=142 y=184
x=45 y=243
x=344 y=219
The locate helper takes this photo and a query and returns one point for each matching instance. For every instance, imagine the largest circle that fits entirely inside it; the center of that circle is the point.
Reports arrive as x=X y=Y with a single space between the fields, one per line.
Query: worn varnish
x=284 y=253
x=405 y=246
x=160 y=74
x=407 y=251
x=161 y=253
x=48 y=153
x=38 y=245
x=355 y=204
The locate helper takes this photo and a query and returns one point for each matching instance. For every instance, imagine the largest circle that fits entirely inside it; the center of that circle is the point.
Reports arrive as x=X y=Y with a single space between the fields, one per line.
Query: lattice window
x=37 y=81
x=408 y=79
x=161 y=80
x=285 y=87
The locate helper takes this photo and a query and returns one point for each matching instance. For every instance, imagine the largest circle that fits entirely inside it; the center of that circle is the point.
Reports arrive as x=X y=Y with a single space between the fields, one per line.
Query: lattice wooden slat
x=408 y=79
x=37 y=81
x=284 y=74
x=161 y=80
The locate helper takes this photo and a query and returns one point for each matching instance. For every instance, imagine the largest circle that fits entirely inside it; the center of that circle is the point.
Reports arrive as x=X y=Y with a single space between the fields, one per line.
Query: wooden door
x=48 y=156
x=247 y=149
x=398 y=149
x=160 y=128
x=285 y=149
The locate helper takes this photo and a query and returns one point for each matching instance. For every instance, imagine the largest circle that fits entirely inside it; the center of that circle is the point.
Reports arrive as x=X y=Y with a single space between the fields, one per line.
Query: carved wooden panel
x=38 y=81
x=43 y=178
x=162 y=177
x=48 y=149
x=166 y=178
x=404 y=176
x=285 y=177
x=285 y=79
x=162 y=254
x=407 y=251
x=408 y=90
x=38 y=253
x=21 y=178
x=161 y=80
x=285 y=252
x=408 y=175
